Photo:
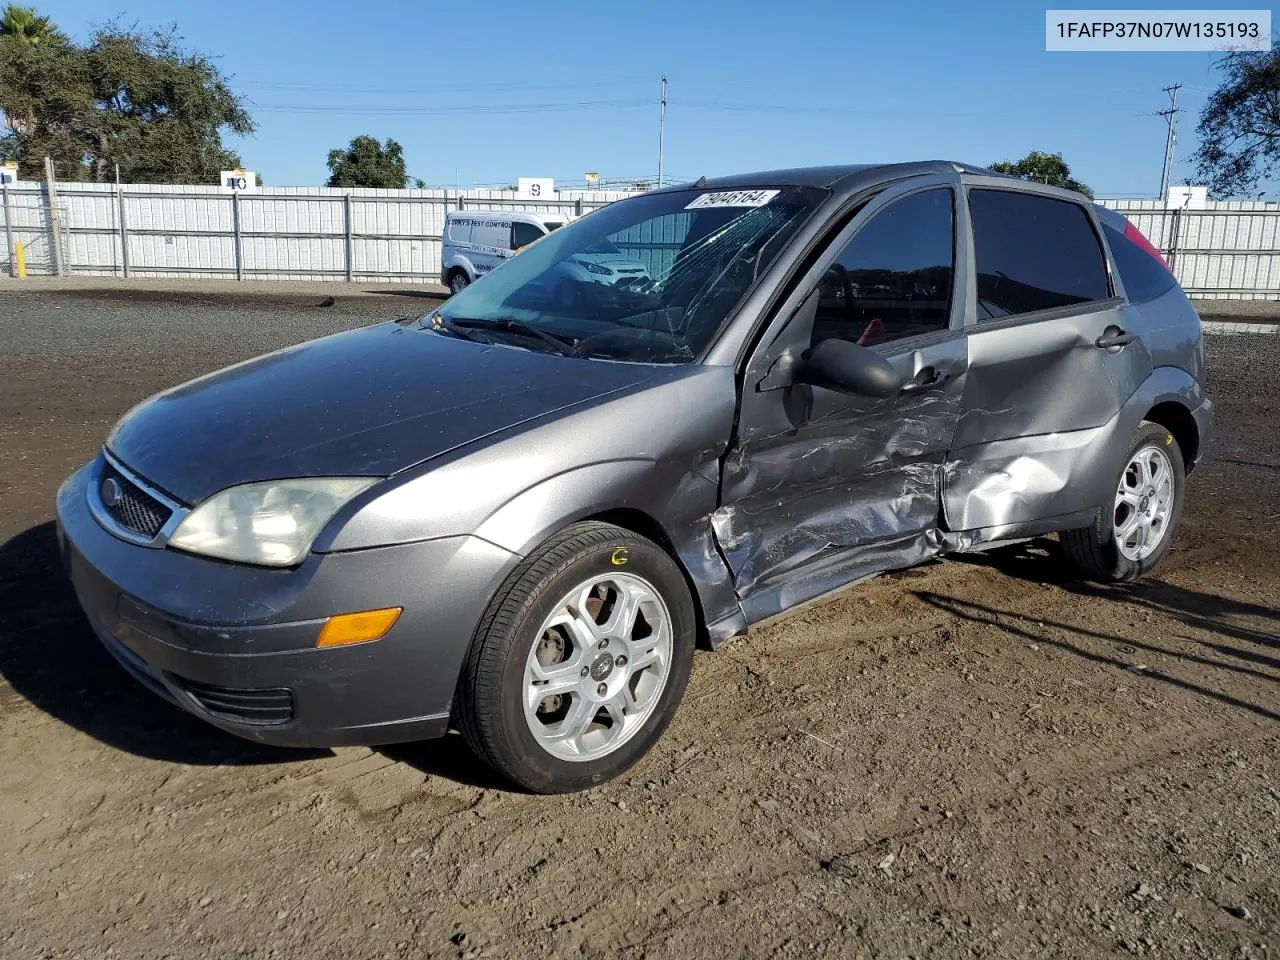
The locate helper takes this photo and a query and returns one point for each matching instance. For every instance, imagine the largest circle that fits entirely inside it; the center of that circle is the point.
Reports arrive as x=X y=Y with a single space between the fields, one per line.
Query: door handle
x=926 y=379
x=1114 y=336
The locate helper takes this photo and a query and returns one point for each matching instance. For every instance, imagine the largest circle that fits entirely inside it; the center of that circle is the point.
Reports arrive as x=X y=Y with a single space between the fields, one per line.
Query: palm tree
x=26 y=26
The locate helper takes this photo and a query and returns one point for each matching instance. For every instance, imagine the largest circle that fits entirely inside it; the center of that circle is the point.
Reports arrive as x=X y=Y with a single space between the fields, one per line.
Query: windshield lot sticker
x=733 y=198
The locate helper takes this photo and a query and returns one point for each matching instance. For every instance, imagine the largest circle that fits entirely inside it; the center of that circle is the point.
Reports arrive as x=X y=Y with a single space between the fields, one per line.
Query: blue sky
x=487 y=92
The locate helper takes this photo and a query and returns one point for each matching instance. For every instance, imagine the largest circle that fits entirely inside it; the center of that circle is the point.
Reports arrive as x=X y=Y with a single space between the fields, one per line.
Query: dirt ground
x=978 y=757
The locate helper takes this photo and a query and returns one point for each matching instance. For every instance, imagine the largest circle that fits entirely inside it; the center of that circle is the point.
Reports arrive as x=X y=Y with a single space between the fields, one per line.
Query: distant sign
x=536 y=188
x=1187 y=197
x=238 y=181
x=8 y=173
x=592 y=178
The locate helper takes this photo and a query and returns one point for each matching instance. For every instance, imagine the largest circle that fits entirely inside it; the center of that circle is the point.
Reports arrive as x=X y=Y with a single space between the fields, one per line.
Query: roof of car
x=506 y=215
x=832 y=175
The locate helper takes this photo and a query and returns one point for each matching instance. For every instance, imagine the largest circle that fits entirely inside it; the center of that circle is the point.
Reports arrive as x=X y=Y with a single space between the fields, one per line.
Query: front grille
x=135 y=509
x=263 y=707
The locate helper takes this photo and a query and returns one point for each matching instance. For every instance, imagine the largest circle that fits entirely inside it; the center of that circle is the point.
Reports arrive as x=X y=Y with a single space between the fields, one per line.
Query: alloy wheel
x=597 y=667
x=1144 y=503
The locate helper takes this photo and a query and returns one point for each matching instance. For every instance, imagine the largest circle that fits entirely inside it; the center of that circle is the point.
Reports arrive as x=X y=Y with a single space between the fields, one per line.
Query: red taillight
x=1134 y=236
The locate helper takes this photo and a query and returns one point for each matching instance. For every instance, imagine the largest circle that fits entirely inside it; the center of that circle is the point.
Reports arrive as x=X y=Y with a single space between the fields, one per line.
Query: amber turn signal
x=357 y=627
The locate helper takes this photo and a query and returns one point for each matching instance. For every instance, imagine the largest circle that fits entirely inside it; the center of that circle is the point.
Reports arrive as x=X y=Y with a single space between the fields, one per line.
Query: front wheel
x=580 y=661
x=1132 y=533
x=458 y=282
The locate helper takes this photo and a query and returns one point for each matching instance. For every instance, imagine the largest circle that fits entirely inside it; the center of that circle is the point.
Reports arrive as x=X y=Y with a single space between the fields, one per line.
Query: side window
x=523 y=234
x=1033 y=253
x=1145 y=277
x=894 y=278
x=460 y=231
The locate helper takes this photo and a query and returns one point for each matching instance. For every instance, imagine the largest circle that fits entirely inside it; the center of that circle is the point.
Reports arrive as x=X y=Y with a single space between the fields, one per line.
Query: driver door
x=822 y=487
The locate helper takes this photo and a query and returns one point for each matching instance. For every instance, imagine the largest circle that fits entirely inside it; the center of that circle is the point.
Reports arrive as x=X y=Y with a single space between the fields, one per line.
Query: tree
x=1240 y=124
x=1041 y=167
x=127 y=98
x=24 y=25
x=367 y=163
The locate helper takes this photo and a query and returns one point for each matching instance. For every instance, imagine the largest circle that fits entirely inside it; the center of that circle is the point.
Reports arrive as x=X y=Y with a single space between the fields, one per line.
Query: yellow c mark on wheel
x=619 y=557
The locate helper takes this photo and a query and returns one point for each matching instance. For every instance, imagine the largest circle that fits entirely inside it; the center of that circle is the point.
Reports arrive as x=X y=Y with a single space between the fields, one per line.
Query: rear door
x=1053 y=355
x=821 y=487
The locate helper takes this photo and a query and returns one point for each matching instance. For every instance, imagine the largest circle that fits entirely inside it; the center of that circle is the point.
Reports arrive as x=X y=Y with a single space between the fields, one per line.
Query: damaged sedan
x=516 y=515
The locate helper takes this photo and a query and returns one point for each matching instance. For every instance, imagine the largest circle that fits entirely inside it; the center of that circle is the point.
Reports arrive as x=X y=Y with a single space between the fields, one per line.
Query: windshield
x=649 y=279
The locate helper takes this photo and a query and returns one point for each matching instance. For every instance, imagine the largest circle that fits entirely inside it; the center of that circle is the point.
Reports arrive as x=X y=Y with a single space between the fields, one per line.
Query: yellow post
x=20 y=259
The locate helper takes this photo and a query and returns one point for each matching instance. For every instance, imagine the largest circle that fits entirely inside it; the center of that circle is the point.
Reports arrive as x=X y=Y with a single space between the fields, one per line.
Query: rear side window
x=460 y=231
x=1144 y=277
x=1033 y=253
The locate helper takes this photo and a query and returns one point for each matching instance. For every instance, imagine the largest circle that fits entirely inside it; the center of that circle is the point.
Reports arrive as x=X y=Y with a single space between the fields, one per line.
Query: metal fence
x=284 y=233
x=1221 y=250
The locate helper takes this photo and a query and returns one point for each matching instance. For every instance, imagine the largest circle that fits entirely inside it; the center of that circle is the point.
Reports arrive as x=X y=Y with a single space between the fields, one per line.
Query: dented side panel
x=1041 y=399
x=818 y=475
x=1010 y=484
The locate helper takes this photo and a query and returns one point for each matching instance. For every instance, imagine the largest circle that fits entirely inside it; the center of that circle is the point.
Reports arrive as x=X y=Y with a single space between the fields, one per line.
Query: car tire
x=458 y=281
x=1110 y=550
x=566 y=685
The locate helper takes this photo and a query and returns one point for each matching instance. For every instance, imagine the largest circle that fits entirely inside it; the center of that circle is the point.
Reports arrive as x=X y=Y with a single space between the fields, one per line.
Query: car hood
x=614 y=261
x=369 y=402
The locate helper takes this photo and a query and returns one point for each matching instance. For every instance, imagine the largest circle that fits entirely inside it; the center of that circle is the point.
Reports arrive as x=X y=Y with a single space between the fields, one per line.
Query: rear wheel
x=458 y=281
x=1132 y=533
x=580 y=661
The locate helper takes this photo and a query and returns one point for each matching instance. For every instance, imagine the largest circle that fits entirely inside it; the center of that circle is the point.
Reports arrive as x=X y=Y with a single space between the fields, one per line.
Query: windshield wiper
x=559 y=344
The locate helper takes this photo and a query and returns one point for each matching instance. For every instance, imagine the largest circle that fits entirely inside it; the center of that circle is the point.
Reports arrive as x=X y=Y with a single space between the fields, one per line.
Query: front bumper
x=235 y=644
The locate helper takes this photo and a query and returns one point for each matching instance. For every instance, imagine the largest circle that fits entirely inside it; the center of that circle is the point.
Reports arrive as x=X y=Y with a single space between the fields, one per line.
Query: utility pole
x=662 y=123
x=1170 y=114
x=56 y=249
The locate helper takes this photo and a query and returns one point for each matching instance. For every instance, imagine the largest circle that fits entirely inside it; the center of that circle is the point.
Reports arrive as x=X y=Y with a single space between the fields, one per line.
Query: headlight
x=272 y=523
x=596 y=268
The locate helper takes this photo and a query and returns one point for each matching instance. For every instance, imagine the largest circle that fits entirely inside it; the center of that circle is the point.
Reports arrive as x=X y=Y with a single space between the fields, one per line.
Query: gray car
x=516 y=515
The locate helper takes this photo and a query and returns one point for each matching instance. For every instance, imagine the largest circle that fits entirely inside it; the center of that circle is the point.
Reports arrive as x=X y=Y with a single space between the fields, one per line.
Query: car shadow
x=50 y=659
x=417 y=294
x=1039 y=561
x=448 y=757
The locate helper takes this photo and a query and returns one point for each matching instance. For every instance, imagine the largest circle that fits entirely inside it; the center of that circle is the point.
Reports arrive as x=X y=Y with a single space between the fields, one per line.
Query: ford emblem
x=111 y=492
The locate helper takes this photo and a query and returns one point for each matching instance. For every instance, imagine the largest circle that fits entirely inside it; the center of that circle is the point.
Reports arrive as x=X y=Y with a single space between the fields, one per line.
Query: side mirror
x=849 y=368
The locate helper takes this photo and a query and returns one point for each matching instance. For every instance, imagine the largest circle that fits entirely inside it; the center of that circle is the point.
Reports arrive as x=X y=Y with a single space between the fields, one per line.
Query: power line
x=284 y=86
x=407 y=110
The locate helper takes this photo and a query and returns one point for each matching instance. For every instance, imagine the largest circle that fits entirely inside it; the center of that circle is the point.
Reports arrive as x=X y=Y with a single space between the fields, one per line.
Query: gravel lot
x=978 y=757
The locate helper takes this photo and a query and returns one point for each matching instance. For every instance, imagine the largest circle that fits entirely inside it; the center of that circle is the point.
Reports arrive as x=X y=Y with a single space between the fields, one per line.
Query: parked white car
x=476 y=241
x=601 y=263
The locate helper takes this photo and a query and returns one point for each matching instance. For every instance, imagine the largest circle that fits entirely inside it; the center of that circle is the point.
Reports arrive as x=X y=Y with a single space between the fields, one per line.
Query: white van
x=476 y=241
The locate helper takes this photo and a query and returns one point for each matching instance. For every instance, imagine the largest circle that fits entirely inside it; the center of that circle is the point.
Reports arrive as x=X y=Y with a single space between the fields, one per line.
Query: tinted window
x=523 y=234
x=1144 y=277
x=1033 y=253
x=894 y=278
